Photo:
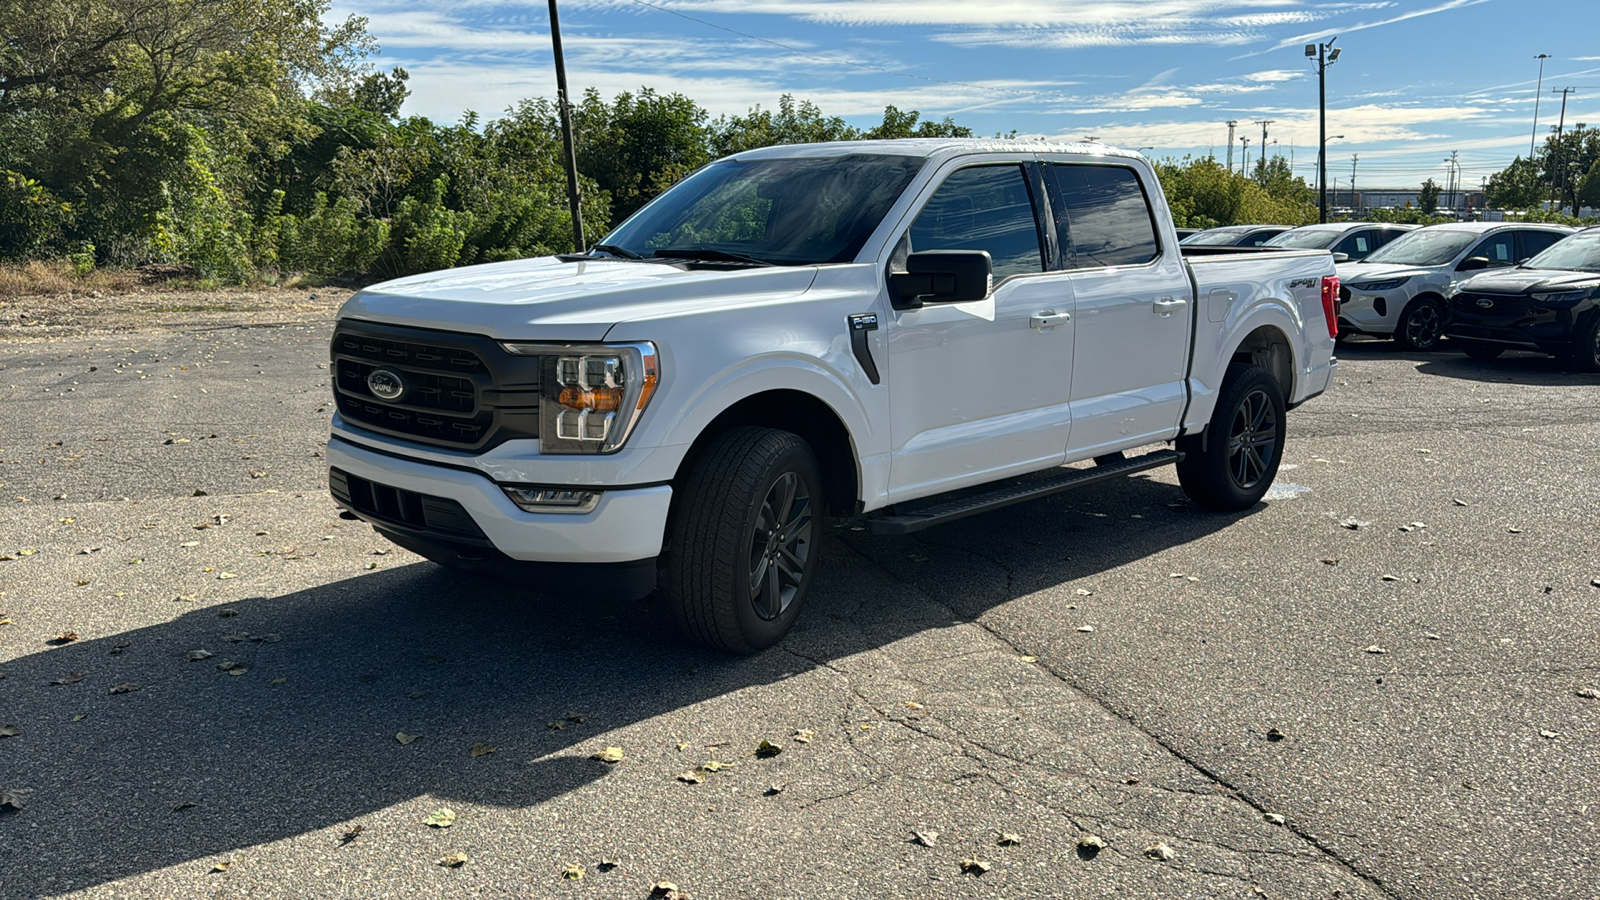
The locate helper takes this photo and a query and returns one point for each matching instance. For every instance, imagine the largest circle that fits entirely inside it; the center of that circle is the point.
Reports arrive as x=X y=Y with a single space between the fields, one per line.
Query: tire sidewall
x=759 y=633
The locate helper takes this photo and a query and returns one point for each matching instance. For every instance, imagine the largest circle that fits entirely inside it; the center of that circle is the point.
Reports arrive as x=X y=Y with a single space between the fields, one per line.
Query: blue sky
x=1416 y=79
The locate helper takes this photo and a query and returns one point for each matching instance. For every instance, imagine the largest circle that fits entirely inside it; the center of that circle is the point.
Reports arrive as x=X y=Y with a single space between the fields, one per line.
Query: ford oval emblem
x=1484 y=302
x=386 y=384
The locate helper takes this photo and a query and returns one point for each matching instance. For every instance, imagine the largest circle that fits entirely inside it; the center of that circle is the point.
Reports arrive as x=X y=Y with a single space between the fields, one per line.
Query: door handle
x=1046 y=319
x=1167 y=305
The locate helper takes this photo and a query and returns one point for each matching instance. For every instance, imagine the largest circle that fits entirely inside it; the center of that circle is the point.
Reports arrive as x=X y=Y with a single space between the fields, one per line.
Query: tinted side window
x=1356 y=245
x=983 y=208
x=1501 y=249
x=1384 y=236
x=1101 y=215
x=1534 y=242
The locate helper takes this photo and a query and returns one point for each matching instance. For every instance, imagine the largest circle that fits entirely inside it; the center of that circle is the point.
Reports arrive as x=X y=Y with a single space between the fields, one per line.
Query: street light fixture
x=1326 y=54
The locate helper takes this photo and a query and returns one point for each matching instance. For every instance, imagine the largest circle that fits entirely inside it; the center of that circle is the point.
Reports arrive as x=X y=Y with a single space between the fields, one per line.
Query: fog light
x=552 y=499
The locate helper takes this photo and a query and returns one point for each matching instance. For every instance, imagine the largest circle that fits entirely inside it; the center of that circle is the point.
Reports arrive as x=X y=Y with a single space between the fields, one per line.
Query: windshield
x=1424 y=247
x=787 y=212
x=1317 y=239
x=1580 y=253
x=1214 y=237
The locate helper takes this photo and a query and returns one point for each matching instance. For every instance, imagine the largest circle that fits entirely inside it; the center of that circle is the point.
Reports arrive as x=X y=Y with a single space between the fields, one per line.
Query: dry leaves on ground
x=443 y=817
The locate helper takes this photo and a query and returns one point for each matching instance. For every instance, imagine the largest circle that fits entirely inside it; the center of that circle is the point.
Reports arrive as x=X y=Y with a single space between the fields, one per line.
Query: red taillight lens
x=1330 y=303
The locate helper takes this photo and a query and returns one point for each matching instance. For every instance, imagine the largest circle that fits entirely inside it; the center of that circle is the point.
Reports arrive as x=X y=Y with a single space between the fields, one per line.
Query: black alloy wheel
x=780 y=545
x=1253 y=440
x=1421 y=325
x=1231 y=465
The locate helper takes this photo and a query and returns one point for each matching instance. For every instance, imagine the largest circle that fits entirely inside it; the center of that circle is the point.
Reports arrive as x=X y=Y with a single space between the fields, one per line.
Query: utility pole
x=1559 y=176
x=1536 y=94
x=1264 y=123
x=1231 y=124
x=1455 y=179
x=1354 y=157
x=1244 y=161
x=1325 y=54
x=566 y=132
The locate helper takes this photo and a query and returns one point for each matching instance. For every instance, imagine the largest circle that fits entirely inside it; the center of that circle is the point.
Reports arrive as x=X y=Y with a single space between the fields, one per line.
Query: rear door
x=1133 y=307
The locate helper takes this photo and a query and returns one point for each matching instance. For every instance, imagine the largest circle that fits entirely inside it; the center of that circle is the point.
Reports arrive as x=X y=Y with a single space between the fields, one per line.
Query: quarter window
x=983 y=208
x=1101 y=215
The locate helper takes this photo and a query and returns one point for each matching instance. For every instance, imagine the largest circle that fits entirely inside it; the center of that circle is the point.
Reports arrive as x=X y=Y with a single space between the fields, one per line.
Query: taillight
x=1330 y=303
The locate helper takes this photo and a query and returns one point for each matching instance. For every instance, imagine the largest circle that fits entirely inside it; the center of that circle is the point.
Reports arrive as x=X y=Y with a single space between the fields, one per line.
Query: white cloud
x=1274 y=76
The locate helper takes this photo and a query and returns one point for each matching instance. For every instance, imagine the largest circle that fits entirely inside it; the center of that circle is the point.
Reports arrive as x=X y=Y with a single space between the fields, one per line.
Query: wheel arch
x=1269 y=347
x=802 y=414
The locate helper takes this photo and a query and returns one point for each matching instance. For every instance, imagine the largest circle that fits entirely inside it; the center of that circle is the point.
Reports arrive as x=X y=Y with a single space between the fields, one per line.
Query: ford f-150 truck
x=894 y=334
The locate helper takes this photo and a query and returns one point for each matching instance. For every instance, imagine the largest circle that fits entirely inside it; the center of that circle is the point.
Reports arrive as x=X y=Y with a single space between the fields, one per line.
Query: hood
x=548 y=299
x=1518 y=281
x=1361 y=272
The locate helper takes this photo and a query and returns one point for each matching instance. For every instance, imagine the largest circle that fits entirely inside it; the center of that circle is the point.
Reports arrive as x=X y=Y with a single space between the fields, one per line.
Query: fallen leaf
x=267 y=638
x=912 y=704
x=1084 y=592
x=1275 y=735
x=9 y=731
x=237 y=638
x=974 y=866
x=609 y=755
x=118 y=647
x=1391 y=578
x=1330 y=561
x=180 y=807
x=663 y=889
x=5 y=619
x=690 y=777
x=224 y=575
x=481 y=749
x=1008 y=839
x=454 y=861
x=1514 y=530
x=1352 y=524
x=443 y=817
x=372 y=565
x=127 y=687
x=767 y=750
x=916 y=557
x=80 y=582
x=1090 y=845
x=1549 y=735
x=1028 y=659
x=80 y=717
x=1588 y=693
x=404 y=738
x=351 y=835
x=197 y=655
x=805 y=736
x=576 y=718
x=69 y=678
x=27 y=551
x=714 y=765
x=607 y=864
x=1086 y=629
x=221 y=866
x=925 y=838
x=279 y=680
x=16 y=798
x=774 y=790
x=63 y=637
x=1160 y=851
x=556 y=724
x=1459 y=502
x=1274 y=818
x=198 y=493
x=227 y=613
x=573 y=872
x=1375 y=650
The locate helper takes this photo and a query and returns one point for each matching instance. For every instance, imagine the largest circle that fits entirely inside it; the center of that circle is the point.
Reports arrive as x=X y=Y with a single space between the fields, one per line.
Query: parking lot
x=1379 y=683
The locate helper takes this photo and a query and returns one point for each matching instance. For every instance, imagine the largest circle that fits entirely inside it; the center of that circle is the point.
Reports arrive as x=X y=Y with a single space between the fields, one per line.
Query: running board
x=950 y=510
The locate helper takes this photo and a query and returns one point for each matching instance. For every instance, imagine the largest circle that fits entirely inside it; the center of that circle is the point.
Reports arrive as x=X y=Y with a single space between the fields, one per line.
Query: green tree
x=1589 y=188
x=1517 y=186
x=793 y=123
x=1428 y=197
x=897 y=124
x=639 y=144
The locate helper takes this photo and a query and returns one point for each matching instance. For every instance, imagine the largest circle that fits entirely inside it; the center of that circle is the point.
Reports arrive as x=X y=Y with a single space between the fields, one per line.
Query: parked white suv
x=1401 y=288
x=1347 y=241
x=887 y=333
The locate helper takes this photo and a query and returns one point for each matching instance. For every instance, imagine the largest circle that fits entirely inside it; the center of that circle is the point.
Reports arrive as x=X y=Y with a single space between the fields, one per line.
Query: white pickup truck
x=894 y=334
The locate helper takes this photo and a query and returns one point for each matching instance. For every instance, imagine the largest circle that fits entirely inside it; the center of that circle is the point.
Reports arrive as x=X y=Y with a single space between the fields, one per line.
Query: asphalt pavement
x=1381 y=683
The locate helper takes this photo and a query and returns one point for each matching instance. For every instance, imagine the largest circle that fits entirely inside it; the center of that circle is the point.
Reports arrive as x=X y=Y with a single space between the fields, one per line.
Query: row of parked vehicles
x=1486 y=286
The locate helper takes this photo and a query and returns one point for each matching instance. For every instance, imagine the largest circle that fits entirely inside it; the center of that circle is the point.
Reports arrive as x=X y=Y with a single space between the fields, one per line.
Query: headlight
x=1560 y=298
x=591 y=395
x=1388 y=284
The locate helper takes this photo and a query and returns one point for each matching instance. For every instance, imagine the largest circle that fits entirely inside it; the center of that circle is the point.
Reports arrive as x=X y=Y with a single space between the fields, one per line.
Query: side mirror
x=1473 y=263
x=1341 y=257
x=942 y=276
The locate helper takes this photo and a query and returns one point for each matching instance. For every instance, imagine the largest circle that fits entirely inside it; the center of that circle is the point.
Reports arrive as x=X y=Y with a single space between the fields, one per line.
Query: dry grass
x=55 y=278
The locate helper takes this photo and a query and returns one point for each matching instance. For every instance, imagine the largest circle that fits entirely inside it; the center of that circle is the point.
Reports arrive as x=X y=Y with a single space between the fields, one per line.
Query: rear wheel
x=1421 y=324
x=1479 y=350
x=1231 y=466
x=746 y=539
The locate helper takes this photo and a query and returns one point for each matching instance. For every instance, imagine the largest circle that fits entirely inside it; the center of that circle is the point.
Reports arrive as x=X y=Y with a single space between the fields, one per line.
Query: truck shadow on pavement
x=192 y=762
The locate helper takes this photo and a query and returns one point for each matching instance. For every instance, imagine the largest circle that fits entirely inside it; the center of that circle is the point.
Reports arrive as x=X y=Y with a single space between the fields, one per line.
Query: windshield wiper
x=709 y=254
x=614 y=250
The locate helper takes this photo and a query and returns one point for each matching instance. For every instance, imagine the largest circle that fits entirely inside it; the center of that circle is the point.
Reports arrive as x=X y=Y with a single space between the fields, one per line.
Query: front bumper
x=1372 y=312
x=626 y=525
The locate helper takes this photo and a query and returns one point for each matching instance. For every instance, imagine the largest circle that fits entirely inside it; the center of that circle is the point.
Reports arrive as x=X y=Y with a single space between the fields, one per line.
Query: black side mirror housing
x=941 y=276
x=1473 y=263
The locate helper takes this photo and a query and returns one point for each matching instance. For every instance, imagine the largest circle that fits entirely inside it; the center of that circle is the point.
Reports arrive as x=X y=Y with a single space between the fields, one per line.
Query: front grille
x=408 y=509
x=459 y=390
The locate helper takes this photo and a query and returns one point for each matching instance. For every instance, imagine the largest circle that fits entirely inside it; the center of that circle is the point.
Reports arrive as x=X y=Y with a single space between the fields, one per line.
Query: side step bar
x=949 y=510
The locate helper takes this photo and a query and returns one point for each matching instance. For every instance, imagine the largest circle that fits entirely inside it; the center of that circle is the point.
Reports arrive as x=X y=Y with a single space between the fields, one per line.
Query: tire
x=746 y=539
x=1421 y=325
x=1232 y=465
x=1584 y=355
x=1480 y=351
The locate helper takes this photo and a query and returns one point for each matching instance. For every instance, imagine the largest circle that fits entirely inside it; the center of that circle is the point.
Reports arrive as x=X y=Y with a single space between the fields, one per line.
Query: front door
x=979 y=390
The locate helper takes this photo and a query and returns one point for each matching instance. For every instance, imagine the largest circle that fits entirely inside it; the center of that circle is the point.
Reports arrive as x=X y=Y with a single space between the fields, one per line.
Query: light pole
x=1326 y=54
x=573 y=200
x=1322 y=170
x=1244 y=161
x=1536 y=92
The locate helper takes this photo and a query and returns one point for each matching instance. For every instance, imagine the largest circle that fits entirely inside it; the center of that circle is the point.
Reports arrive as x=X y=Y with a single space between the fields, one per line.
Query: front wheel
x=746 y=538
x=1585 y=353
x=1421 y=325
x=1231 y=466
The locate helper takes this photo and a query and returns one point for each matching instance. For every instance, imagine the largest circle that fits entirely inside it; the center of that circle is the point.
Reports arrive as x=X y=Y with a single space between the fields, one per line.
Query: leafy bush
x=31 y=218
